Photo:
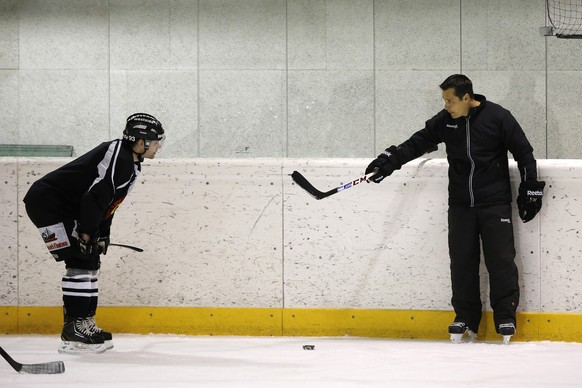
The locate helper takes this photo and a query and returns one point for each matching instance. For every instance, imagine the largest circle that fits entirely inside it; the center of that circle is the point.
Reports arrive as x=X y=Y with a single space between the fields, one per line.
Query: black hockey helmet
x=143 y=126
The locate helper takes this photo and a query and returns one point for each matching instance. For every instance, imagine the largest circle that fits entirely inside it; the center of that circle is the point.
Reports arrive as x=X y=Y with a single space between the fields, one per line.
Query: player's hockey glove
x=384 y=164
x=529 y=199
x=89 y=249
x=103 y=244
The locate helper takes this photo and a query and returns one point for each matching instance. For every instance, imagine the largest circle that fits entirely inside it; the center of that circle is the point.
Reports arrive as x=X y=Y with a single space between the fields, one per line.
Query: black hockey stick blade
x=305 y=185
x=45 y=368
x=126 y=246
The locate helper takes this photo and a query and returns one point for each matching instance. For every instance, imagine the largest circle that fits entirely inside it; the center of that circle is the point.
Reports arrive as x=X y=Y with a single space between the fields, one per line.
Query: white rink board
x=239 y=233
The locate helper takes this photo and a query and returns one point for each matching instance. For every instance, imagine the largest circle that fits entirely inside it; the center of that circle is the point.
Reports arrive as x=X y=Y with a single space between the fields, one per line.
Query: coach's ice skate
x=78 y=338
x=506 y=330
x=458 y=329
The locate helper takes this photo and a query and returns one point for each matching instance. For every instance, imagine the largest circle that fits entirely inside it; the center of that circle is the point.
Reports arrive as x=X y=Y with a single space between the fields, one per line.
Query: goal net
x=565 y=18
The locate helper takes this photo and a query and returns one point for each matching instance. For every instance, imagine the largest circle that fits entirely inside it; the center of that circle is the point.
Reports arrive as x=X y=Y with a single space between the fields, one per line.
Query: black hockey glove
x=103 y=244
x=89 y=249
x=385 y=164
x=529 y=199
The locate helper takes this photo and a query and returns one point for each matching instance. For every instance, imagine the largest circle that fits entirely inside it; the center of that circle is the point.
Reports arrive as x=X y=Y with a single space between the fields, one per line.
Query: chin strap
x=146 y=146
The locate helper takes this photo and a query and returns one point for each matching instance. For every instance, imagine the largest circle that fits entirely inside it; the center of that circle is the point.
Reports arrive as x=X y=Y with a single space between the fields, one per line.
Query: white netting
x=565 y=17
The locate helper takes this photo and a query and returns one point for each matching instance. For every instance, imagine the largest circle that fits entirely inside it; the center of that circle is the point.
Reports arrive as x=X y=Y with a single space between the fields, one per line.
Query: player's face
x=456 y=106
x=150 y=153
x=155 y=145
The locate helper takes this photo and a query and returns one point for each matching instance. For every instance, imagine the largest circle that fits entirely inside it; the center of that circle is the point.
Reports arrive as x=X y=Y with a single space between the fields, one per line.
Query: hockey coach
x=477 y=134
x=73 y=208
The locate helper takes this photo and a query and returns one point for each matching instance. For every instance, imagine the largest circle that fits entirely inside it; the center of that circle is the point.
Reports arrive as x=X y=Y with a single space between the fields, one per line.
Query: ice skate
x=506 y=330
x=77 y=338
x=107 y=337
x=458 y=329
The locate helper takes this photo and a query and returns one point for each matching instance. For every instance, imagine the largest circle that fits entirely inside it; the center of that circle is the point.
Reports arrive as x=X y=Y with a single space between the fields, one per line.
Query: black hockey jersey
x=90 y=188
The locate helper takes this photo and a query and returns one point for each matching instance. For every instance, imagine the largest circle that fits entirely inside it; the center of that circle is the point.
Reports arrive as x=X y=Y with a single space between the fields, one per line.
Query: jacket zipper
x=468 y=130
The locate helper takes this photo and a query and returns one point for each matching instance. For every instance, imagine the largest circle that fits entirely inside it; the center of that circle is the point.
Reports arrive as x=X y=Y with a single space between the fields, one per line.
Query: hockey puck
x=308 y=347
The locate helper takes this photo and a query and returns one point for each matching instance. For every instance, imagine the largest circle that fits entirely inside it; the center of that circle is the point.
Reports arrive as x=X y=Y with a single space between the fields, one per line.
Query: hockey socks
x=80 y=294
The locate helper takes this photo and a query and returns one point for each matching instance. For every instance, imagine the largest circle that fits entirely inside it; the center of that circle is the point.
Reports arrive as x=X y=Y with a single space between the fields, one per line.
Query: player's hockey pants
x=80 y=283
x=492 y=226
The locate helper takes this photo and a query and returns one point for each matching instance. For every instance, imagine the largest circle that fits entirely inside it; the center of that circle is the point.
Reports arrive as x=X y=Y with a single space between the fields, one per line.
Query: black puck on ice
x=308 y=347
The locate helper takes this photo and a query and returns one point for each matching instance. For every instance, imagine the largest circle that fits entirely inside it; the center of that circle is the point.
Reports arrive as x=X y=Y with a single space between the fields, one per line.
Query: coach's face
x=457 y=107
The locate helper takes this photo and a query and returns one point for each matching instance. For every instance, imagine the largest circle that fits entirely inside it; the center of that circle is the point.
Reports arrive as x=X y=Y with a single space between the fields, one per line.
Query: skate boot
x=107 y=337
x=506 y=330
x=457 y=329
x=77 y=338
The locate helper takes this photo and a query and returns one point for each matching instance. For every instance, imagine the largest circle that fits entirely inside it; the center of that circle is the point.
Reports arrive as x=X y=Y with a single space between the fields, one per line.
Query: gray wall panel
x=564 y=54
x=331 y=113
x=417 y=35
x=523 y=94
x=332 y=34
x=349 y=34
x=169 y=95
x=64 y=107
x=9 y=103
x=140 y=34
x=404 y=101
x=502 y=35
x=564 y=114
x=242 y=34
x=8 y=34
x=169 y=47
x=306 y=34
x=242 y=113
x=183 y=34
x=64 y=34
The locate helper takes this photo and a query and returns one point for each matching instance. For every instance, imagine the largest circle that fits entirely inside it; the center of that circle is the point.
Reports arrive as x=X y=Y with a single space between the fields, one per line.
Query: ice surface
x=185 y=361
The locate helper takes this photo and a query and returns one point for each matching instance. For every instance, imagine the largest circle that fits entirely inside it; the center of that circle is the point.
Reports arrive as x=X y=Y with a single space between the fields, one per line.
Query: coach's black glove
x=529 y=199
x=385 y=164
x=103 y=244
x=89 y=249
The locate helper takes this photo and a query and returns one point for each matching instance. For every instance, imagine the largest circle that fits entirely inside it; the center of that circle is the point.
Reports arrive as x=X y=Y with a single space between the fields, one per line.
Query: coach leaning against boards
x=477 y=134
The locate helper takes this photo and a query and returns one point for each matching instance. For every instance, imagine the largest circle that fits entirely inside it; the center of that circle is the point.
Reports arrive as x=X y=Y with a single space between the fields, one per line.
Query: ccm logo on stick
x=352 y=183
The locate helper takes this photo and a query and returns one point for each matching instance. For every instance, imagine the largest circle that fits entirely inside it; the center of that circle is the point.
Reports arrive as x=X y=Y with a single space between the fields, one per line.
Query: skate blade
x=108 y=345
x=74 y=347
x=506 y=339
x=458 y=338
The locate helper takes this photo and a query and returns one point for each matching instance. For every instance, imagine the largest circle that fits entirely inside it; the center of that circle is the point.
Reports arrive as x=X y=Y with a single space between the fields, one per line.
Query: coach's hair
x=461 y=83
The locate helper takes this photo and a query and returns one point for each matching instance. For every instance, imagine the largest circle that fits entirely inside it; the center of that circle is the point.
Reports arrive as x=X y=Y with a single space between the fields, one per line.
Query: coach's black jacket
x=90 y=188
x=476 y=149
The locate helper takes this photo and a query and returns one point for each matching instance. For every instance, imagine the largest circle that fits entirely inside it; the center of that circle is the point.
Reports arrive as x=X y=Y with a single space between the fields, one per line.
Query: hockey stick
x=126 y=246
x=45 y=368
x=305 y=185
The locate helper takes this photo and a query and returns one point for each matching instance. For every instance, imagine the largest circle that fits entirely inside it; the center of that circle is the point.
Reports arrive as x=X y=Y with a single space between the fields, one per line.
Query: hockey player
x=73 y=207
x=477 y=134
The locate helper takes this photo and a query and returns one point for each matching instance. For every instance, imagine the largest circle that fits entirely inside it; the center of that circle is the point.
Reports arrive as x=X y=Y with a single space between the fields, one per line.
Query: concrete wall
x=277 y=78
x=238 y=233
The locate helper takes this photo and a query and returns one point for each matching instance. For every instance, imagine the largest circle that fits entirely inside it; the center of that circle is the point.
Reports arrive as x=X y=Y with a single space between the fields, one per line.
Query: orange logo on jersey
x=113 y=207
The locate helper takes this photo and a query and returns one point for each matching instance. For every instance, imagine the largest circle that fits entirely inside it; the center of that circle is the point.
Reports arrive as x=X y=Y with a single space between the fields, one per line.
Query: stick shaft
x=126 y=246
